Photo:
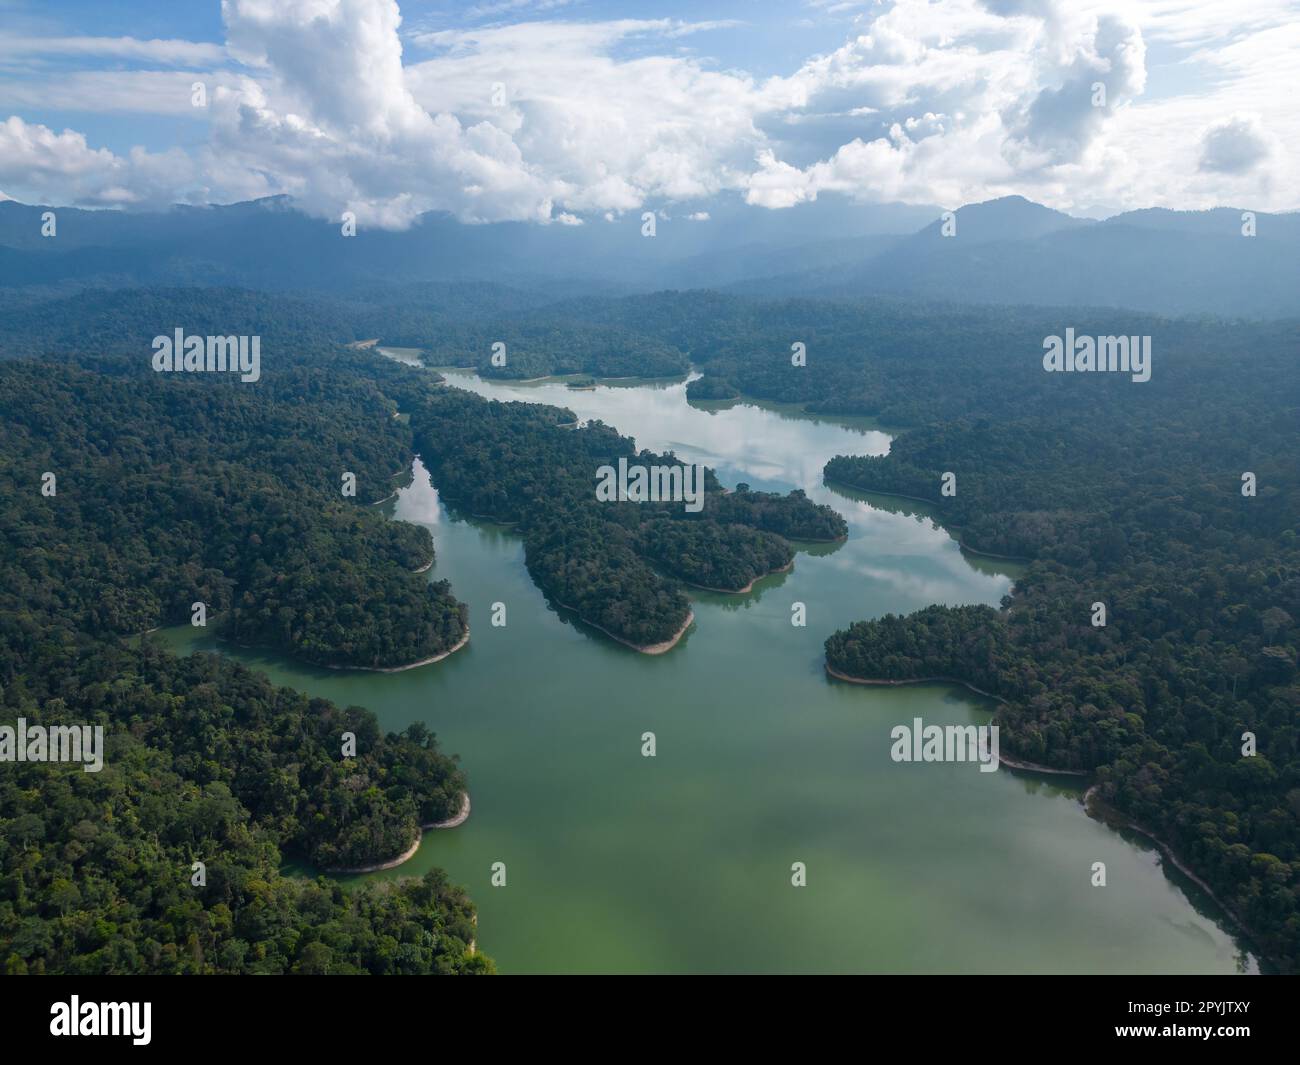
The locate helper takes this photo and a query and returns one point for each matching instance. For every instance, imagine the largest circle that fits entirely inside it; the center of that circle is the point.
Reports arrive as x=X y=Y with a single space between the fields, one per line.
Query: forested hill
x=456 y=324
x=207 y=762
x=1135 y=496
x=170 y=489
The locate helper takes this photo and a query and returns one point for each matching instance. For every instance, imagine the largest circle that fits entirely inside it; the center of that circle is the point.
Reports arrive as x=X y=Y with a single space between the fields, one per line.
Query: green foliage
x=182 y=488
x=711 y=388
x=179 y=488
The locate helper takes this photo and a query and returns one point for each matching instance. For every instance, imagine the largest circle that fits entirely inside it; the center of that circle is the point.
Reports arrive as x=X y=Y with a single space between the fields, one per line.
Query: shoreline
x=1100 y=810
x=454 y=821
x=1007 y=760
x=1022 y=559
x=647 y=649
x=479 y=517
x=413 y=665
x=425 y=568
x=739 y=591
x=876 y=492
x=1093 y=806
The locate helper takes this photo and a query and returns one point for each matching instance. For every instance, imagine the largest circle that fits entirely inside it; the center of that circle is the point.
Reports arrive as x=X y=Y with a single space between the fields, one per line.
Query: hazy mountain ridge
x=1012 y=251
x=1009 y=251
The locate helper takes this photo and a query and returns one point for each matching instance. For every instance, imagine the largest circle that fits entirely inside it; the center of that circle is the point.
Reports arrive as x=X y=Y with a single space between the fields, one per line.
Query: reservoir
x=682 y=862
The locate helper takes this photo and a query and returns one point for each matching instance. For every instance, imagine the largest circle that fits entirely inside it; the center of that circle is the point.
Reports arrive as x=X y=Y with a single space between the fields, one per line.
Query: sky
x=572 y=111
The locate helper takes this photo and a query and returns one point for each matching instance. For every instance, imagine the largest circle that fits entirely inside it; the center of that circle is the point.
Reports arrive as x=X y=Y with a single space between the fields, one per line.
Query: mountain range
x=1006 y=251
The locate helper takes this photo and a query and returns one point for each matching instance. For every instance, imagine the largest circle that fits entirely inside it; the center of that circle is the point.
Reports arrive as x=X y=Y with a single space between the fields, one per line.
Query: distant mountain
x=270 y=244
x=1008 y=218
x=1214 y=222
x=1012 y=251
x=1007 y=251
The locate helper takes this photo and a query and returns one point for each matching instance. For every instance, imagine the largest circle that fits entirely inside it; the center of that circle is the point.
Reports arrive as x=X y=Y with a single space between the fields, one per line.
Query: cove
x=682 y=862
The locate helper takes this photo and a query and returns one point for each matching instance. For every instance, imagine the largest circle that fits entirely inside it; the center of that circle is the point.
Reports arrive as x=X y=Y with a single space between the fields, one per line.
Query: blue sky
x=609 y=107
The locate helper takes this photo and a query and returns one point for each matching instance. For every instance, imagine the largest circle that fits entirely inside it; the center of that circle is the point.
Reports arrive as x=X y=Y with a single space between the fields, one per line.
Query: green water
x=682 y=862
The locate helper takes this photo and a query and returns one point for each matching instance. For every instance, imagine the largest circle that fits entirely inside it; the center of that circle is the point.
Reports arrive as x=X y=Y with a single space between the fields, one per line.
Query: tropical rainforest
x=1173 y=504
x=128 y=497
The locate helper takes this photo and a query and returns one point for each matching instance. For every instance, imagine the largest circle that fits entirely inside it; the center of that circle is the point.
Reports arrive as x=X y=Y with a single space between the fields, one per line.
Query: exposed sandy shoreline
x=425 y=568
x=990 y=554
x=413 y=665
x=648 y=649
x=666 y=645
x=740 y=591
x=456 y=819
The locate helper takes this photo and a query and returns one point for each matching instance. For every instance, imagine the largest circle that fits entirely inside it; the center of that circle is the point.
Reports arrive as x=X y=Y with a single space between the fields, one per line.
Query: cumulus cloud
x=612 y=133
x=334 y=115
x=1236 y=145
x=991 y=93
x=1104 y=69
x=33 y=157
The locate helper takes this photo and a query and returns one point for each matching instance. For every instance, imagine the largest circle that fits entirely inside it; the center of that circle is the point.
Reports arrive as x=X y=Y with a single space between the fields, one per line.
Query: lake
x=682 y=862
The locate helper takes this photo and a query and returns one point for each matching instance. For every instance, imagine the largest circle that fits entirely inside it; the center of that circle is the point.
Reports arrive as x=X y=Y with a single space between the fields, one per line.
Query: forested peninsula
x=617 y=564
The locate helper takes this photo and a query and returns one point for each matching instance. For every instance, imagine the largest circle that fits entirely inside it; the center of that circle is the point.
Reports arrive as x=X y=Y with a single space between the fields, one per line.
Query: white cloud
x=613 y=133
x=34 y=158
x=927 y=101
x=1235 y=145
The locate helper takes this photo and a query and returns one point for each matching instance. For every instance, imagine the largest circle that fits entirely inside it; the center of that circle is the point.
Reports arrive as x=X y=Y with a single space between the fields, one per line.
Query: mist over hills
x=1009 y=251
